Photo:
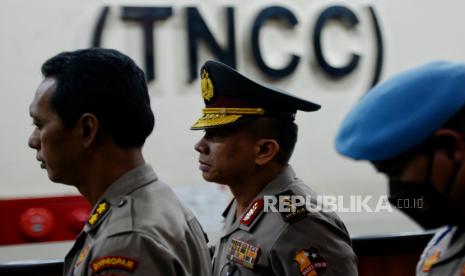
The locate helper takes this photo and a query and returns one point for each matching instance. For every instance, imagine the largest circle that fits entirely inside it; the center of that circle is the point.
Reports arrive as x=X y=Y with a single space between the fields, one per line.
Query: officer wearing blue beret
x=412 y=129
x=249 y=138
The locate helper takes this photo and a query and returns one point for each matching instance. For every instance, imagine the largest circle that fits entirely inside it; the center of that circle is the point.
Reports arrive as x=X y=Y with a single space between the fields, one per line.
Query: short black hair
x=282 y=130
x=109 y=85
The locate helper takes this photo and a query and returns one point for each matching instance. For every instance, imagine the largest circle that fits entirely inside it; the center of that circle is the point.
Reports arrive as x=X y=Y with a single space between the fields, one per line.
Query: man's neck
x=244 y=192
x=105 y=168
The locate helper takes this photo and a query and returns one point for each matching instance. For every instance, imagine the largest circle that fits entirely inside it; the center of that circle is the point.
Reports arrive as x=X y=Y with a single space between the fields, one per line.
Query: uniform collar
x=454 y=247
x=130 y=181
x=226 y=211
x=279 y=184
x=230 y=221
x=124 y=185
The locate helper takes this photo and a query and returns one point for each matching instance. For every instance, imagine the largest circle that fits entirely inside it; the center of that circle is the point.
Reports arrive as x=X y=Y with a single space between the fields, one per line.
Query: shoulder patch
x=99 y=211
x=293 y=207
x=310 y=262
x=113 y=262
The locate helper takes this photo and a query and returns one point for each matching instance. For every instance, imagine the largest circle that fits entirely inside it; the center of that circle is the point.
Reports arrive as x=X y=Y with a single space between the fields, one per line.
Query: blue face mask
x=423 y=203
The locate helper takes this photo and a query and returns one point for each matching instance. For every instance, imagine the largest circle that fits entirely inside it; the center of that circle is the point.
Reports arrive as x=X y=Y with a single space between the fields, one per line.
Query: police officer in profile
x=92 y=116
x=249 y=138
x=412 y=129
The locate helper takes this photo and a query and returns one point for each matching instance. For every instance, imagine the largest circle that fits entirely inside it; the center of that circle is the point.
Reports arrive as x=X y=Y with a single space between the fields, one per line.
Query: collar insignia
x=82 y=255
x=430 y=261
x=252 y=212
x=242 y=253
x=101 y=209
x=310 y=262
x=207 y=86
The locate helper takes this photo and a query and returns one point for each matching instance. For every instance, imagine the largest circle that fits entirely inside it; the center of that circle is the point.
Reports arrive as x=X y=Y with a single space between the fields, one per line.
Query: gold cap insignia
x=207 y=86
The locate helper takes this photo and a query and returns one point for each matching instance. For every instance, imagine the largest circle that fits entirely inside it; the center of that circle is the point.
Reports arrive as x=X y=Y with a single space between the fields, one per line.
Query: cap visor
x=214 y=120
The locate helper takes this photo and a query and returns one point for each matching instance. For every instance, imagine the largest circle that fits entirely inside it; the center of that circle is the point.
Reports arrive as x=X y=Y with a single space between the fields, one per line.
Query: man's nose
x=201 y=146
x=34 y=141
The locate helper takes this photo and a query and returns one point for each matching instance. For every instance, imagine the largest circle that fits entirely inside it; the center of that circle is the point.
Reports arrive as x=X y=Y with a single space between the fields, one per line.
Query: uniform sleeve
x=133 y=254
x=313 y=246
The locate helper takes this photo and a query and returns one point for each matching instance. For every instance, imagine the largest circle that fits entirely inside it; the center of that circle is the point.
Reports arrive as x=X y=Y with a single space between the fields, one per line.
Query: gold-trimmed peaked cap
x=232 y=98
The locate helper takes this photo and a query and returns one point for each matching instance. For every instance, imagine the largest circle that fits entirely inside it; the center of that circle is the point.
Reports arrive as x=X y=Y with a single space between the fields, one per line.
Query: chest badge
x=243 y=253
x=430 y=261
x=310 y=262
x=252 y=212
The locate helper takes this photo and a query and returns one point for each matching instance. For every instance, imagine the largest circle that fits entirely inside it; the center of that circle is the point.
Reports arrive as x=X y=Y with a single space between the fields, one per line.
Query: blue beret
x=402 y=112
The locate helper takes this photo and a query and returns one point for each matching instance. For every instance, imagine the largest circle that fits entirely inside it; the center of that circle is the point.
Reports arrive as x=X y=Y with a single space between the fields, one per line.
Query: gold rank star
x=93 y=219
x=102 y=207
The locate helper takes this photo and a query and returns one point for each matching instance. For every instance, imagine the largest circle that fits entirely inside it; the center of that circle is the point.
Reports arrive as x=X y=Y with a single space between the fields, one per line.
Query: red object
x=36 y=223
x=78 y=217
x=45 y=219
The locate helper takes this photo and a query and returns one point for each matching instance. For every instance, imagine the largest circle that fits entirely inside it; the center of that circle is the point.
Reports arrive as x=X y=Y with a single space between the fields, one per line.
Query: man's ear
x=89 y=126
x=265 y=151
x=451 y=141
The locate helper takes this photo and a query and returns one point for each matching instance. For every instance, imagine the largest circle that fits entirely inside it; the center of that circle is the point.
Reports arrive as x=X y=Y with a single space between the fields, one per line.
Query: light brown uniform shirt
x=264 y=243
x=139 y=227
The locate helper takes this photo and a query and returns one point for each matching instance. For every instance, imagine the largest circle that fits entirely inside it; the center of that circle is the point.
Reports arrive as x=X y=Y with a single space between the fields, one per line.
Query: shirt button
x=122 y=202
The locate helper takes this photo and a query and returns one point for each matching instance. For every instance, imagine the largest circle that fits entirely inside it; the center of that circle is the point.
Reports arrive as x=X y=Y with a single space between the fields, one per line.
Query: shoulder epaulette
x=101 y=209
x=288 y=209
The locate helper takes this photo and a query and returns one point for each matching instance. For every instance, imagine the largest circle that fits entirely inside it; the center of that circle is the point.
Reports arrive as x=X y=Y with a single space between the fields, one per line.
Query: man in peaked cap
x=249 y=138
x=412 y=129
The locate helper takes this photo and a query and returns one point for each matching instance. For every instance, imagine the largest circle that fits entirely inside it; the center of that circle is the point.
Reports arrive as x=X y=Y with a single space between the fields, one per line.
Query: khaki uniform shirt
x=444 y=254
x=139 y=227
x=273 y=243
